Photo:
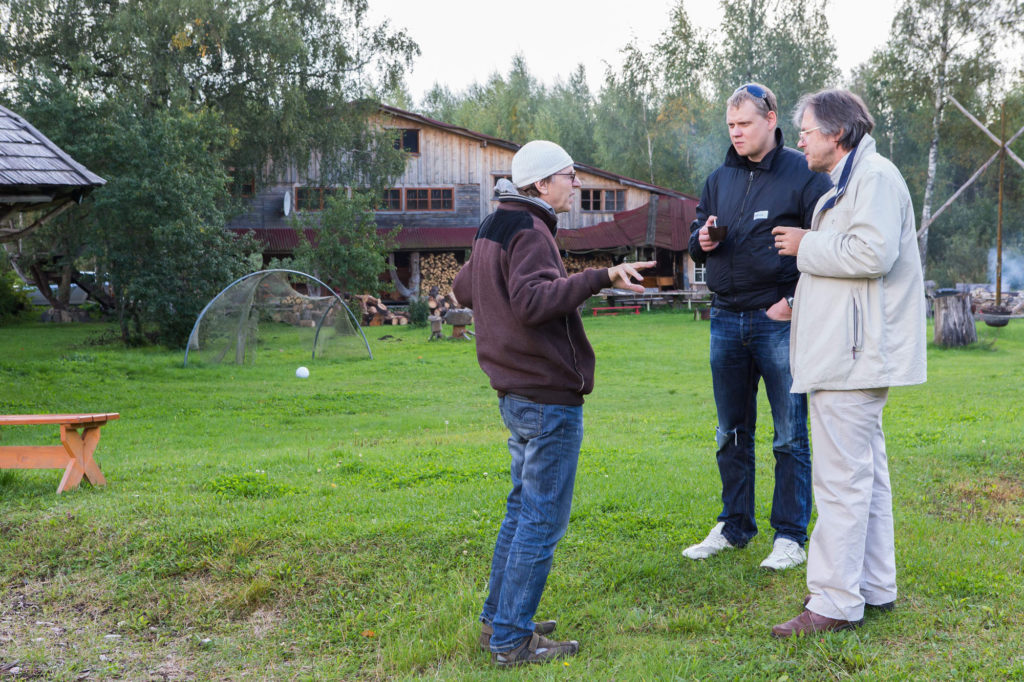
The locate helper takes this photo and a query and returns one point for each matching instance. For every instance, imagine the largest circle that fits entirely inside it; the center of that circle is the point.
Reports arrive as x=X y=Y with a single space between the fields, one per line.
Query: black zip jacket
x=746 y=272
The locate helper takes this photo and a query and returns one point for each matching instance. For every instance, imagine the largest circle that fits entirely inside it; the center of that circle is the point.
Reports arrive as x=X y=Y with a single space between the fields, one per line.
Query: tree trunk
x=933 y=149
x=411 y=292
x=650 y=156
x=954 y=323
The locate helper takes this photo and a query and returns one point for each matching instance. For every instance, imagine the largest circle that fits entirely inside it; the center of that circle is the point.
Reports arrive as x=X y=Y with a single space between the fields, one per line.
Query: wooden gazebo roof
x=36 y=175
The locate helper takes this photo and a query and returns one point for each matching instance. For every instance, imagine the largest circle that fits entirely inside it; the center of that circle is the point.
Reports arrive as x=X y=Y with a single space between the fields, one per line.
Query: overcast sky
x=465 y=41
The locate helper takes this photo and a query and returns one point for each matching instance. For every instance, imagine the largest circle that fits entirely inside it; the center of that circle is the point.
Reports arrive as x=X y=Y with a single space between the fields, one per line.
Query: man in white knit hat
x=531 y=344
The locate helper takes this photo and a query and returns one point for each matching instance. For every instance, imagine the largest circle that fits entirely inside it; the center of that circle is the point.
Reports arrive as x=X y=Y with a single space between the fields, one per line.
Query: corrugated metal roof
x=30 y=161
x=671 y=230
x=285 y=240
x=630 y=228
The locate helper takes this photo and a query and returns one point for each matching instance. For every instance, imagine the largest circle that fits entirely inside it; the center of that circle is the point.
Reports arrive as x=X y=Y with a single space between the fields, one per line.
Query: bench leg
x=80 y=449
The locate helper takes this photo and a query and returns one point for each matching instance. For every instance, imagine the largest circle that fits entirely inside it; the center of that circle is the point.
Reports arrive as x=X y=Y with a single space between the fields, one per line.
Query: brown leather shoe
x=809 y=622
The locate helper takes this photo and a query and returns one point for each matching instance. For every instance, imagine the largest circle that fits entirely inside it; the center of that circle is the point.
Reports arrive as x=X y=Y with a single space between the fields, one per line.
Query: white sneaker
x=785 y=554
x=714 y=543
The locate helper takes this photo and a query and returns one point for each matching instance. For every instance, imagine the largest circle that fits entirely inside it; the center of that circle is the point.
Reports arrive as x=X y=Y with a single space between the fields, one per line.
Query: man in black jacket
x=762 y=184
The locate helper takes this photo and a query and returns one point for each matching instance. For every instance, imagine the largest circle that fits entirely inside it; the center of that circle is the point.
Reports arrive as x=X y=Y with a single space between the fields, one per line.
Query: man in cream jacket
x=858 y=328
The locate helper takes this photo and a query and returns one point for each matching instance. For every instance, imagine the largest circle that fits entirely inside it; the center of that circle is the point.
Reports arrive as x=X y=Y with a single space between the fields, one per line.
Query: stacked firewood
x=375 y=313
x=439 y=304
x=1013 y=301
x=574 y=263
x=295 y=310
x=438 y=270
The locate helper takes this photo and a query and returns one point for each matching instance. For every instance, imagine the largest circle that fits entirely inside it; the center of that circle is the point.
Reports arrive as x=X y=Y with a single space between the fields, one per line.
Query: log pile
x=438 y=304
x=983 y=298
x=376 y=314
x=438 y=270
x=298 y=311
x=574 y=263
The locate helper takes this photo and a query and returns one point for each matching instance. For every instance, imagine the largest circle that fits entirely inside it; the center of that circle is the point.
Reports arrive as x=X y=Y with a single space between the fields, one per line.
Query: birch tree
x=935 y=42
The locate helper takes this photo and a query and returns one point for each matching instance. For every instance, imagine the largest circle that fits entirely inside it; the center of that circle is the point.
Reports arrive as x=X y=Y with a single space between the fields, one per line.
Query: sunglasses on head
x=754 y=89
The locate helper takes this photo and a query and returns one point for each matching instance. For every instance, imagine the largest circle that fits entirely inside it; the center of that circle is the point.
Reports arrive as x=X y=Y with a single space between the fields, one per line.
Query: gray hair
x=837 y=111
x=763 y=98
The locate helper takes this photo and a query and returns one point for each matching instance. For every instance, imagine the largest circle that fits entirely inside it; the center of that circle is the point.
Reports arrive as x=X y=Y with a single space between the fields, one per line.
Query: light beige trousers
x=852 y=557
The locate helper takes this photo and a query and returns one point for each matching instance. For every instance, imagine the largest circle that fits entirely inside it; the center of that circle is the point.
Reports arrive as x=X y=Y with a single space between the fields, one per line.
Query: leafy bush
x=13 y=301
x=418 y=313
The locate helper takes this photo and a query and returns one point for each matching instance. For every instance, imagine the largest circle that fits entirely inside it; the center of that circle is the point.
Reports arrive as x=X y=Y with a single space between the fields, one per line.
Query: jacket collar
x=734 y=159
x=538 y=207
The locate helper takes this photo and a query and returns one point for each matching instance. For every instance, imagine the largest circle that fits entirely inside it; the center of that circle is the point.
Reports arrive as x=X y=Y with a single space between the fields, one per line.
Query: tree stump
x=459 y=318
x=435 y=327
x=954 y=323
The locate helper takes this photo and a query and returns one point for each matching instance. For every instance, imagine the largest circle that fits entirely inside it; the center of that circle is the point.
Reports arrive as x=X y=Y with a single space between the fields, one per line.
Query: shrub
x=418 y=313
x=13 y=301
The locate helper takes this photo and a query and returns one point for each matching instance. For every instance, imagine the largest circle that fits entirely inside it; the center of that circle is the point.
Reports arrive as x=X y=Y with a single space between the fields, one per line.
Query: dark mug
x=717 y=233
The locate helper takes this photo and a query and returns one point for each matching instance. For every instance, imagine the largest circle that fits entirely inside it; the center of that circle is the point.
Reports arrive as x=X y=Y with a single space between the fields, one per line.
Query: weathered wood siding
x=576 y=217
x=465 y=214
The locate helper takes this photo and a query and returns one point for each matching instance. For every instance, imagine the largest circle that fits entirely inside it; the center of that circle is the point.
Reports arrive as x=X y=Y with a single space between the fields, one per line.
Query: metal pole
x=999 y=222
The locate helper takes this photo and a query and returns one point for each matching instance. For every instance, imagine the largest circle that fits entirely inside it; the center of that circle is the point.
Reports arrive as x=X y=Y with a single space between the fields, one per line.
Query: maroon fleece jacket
x=529 y=334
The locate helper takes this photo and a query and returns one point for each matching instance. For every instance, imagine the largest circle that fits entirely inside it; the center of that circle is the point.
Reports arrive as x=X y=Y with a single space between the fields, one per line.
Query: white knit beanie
x=537 y=160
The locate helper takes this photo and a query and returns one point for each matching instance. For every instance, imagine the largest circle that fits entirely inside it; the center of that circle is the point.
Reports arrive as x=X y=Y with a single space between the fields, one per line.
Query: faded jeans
x=745 y=348
x=545 y=446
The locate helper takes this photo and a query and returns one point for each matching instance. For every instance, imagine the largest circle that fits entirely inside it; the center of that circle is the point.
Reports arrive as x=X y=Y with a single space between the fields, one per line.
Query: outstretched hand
x=623 y=274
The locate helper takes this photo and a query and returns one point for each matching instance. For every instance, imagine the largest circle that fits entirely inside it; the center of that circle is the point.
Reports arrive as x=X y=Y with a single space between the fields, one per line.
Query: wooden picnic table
x=79 y=434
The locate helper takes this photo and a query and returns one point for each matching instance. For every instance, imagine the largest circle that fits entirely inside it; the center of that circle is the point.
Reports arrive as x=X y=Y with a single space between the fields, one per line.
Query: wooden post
x=954 y=322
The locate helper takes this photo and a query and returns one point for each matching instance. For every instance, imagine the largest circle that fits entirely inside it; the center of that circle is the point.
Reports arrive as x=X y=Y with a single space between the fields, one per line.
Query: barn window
x=313 y=198
x=699 y=273
x=614 y=200
x=606 y=200
x=408 y=139
x=429 y=200
x=391 y=200
x=241 y=184
x=504 y=176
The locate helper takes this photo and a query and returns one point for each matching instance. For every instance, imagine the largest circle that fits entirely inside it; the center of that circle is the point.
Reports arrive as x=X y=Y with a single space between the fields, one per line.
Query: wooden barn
x=447 y=189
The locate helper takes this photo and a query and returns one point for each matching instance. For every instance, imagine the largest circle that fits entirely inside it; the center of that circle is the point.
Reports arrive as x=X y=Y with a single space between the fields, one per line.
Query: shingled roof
x=36 y=175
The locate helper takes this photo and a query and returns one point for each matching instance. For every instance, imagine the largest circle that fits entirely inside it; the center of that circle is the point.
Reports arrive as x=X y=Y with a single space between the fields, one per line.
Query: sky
x=465 y=41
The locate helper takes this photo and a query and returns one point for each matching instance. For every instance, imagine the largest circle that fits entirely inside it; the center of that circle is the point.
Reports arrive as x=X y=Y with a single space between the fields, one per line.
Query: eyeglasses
x=754 y=89
x=571 y=174
x=805 y=133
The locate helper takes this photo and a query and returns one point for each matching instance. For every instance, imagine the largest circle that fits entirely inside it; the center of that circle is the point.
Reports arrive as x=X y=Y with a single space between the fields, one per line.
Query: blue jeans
x=745 y=348
x=545 y=446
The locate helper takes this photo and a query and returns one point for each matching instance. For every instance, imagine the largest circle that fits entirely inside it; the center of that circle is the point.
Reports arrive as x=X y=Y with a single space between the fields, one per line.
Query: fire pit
x=995 y=315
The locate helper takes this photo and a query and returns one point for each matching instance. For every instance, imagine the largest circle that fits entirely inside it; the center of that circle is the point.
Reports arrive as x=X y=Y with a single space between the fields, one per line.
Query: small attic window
x=408 y=140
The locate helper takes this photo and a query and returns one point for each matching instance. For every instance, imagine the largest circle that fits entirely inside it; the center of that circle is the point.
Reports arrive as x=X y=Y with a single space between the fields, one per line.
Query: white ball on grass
x=302 y=372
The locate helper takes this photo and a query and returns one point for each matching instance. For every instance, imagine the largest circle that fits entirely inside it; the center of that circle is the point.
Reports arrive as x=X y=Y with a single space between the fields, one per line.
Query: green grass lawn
x=260 y=526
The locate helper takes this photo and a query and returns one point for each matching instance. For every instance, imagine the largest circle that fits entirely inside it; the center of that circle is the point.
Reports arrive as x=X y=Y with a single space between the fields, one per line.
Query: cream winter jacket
x=859 y=307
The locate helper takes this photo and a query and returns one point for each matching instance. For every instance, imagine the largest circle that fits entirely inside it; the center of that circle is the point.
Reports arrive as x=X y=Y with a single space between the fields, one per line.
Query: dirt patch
x=171 y=668
x=263 y=621
x=995 y=499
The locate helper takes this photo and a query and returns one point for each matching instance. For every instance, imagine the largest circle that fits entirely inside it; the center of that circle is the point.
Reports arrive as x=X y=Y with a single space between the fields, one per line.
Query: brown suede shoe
x=809 y=622
x=541 y=627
